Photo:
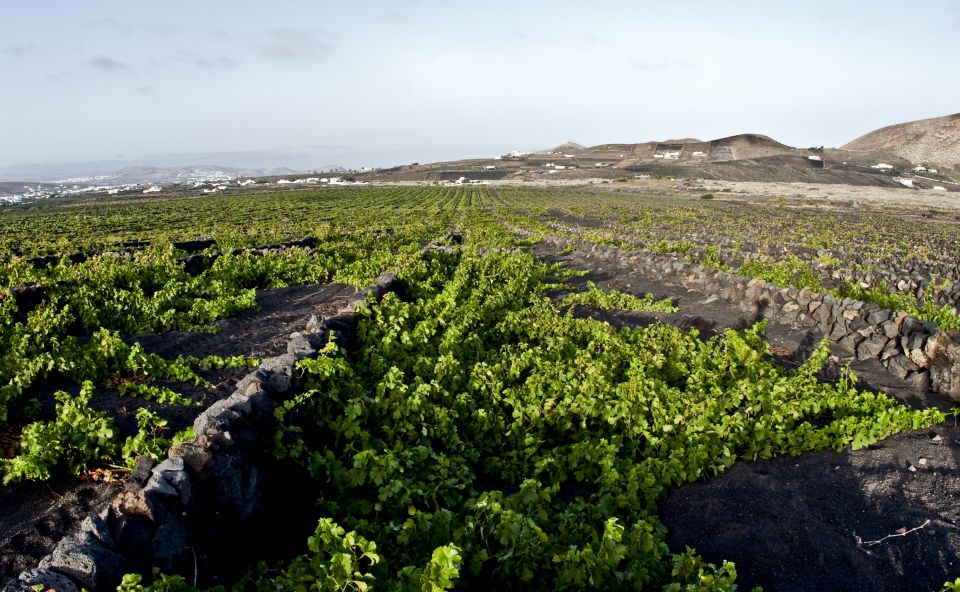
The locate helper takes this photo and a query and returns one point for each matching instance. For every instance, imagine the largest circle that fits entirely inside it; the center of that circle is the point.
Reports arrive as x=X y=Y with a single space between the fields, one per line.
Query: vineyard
x=477 y=388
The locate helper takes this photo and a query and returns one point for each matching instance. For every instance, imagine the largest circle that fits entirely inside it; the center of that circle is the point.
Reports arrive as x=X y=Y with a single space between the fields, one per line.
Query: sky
x=310 y=83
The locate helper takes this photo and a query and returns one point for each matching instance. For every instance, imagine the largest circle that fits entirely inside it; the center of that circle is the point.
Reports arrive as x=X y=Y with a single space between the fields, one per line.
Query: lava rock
x=47 y=578
x=84 y=559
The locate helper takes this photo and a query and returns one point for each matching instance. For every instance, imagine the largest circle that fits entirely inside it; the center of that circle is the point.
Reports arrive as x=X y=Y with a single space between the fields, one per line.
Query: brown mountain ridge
x=933 y=142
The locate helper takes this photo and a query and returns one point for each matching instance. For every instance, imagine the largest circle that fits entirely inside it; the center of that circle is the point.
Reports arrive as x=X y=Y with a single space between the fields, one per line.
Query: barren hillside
x=930 y=142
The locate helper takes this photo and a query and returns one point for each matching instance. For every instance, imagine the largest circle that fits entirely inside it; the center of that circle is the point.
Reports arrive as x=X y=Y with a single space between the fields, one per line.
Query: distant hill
x=152 y=174
x=12 y=187
x=567 y=147
x=931 y=142
x=144 y=174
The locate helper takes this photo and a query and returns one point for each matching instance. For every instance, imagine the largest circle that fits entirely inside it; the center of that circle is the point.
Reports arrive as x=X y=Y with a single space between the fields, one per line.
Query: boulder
x=173 y=474
x=920 y=379
x=85 y=560
x=860 y=326
x=850 y=314
x=170 y=543
x=47 y=579
x=277 y=373
x=193 y=456
x=890 y=329
x=871 y=347
x=878 y=317
x=300 y=346
x=821 y=313
x=943 y=349
x=837 y=332
x=848 y=344
x=911 y=325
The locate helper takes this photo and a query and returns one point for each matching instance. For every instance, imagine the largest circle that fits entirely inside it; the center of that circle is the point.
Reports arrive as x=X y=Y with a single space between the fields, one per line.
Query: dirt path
x=790 y=523
x=35 y=516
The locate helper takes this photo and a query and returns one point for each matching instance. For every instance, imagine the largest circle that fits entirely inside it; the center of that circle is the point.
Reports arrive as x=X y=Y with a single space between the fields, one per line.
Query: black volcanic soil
x=792 y=523
x=35 y=516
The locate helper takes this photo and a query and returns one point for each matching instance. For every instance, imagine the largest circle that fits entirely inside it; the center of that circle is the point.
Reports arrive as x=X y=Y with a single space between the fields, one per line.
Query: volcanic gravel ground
x=35 y=516
x=792 y=523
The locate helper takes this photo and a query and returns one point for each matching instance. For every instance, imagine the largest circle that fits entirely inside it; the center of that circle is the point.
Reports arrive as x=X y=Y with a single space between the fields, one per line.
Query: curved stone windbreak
x=205 y=484
x=911 y=349
x=936 y=280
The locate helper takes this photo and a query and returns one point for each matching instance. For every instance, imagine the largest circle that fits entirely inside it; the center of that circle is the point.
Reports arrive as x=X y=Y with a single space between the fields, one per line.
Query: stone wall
x=909 y=348
x=204 y=485
x=215 y=479
x=936 y=280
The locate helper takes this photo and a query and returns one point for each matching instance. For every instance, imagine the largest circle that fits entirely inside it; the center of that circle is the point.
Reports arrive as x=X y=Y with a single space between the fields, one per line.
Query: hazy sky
x=370 y=82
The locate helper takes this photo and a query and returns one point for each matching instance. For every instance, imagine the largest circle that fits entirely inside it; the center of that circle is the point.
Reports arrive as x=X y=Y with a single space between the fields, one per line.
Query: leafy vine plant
x=480 y=435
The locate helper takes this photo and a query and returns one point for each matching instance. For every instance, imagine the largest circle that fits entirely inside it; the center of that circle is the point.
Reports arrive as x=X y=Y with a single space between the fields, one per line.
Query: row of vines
x=480 y=435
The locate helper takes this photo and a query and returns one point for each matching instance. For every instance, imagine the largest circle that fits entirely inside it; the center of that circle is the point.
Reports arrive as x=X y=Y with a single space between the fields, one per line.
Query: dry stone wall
x=215 y=479
x=207 y=483
x=936 y=279
x=909 y=348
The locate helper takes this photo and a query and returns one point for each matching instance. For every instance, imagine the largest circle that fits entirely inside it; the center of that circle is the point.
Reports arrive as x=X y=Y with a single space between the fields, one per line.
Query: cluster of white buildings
x=465 y=181
x=554 y=168
x=668 y=155
x=32 y=193
x=316 y=181
x=35 y=193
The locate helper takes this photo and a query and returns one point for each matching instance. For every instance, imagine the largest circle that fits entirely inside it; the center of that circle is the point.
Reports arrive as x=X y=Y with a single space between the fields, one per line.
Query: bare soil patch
x=793 y=523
